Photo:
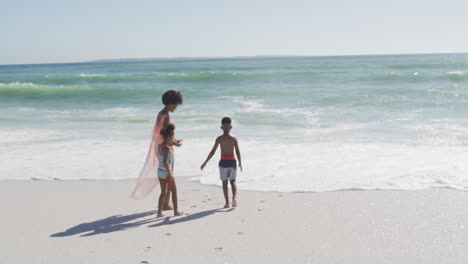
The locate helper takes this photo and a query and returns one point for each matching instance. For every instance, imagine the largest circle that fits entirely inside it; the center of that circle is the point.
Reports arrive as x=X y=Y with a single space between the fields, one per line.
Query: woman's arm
x=176 y=142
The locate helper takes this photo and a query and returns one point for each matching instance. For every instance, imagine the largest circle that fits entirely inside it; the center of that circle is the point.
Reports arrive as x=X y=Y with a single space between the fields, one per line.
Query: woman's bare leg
x=174 y=198
x=167 y=199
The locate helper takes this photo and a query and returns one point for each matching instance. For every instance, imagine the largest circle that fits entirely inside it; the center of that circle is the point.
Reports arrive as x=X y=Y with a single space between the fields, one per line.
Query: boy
x=227 y=164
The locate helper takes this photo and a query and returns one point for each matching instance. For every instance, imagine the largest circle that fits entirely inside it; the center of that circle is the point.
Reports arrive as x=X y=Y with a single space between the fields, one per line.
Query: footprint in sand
x=262 y=201
x=280 y=195
x=144 y=262
x=218 y=249
x=240 y=233
x=259 y=209
x=193 y=206
x=168 y=234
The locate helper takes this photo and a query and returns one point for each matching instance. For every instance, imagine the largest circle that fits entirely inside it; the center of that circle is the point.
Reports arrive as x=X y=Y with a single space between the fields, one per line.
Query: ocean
x=303 y=123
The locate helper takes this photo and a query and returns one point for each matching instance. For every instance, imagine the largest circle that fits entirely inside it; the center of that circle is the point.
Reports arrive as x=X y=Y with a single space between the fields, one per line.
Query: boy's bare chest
x=227 y=144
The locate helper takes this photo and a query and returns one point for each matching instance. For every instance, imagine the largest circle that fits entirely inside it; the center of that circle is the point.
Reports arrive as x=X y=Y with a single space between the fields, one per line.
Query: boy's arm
x=212 y=152
x=236 y=146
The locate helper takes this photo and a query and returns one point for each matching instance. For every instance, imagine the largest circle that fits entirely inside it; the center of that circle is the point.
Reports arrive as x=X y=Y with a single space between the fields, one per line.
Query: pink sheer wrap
x=148 y=178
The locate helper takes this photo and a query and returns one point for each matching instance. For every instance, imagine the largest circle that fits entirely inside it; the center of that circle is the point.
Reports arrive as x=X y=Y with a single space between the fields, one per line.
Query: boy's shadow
x=123 y=222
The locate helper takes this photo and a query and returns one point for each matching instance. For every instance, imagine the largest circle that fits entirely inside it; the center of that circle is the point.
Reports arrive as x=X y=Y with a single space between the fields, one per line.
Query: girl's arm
x=212 y=152
x=177 y=142
x=165 y=152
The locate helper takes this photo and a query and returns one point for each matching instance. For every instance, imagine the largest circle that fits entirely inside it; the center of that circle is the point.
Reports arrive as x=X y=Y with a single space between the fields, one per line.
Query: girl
x=166 y=170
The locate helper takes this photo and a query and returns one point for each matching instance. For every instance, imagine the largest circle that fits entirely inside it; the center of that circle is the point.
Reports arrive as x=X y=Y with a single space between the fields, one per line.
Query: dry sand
x=95 y=222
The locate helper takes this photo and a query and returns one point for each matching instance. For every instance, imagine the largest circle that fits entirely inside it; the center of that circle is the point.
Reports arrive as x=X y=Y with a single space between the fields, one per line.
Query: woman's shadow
x=186 y=218
x=123 y=222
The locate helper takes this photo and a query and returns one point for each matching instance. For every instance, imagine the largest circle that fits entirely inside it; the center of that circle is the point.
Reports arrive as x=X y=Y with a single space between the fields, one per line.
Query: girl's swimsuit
x=162 y=172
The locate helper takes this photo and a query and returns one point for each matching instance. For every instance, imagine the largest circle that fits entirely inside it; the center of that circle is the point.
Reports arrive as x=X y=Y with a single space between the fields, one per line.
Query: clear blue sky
x=67 y=31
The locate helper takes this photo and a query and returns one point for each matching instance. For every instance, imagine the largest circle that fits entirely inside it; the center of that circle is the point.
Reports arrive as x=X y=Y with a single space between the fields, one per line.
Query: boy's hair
x=168 y=131
x=226 y=120
x=172 y=97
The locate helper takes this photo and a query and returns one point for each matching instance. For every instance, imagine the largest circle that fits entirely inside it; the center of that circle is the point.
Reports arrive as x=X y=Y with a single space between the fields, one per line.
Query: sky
x=52 y=31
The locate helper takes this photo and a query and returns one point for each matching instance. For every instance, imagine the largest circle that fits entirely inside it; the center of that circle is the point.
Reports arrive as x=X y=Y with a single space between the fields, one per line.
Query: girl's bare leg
x=163 y=184
x=167 y=199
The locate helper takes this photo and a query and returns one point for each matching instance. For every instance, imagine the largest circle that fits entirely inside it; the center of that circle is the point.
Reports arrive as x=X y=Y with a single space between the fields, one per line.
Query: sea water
x=303 y=123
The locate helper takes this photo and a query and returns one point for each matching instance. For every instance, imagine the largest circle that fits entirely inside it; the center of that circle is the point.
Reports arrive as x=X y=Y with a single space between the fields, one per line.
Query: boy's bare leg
x=234 y=193
x=161 y=197
x=174 y=197
x=226 y=194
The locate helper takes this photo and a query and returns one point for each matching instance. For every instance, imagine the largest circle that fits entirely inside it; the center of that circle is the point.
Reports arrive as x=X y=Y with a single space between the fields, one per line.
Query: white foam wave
x=268 y=165
x=177 y=74
x=329 y=166
x=30 y=136
x=21 y=84
x=459 y=73
x=257 y=106
x=90 y=75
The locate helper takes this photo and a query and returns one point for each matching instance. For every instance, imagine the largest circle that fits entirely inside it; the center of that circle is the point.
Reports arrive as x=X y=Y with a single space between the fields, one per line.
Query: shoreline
x=189 y=179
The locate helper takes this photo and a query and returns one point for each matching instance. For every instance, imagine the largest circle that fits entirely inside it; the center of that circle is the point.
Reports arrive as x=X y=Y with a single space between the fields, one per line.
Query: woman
x=148 y=178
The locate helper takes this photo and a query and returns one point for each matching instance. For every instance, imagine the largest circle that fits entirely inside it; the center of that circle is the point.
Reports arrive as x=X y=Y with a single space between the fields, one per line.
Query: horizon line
x=225 y=57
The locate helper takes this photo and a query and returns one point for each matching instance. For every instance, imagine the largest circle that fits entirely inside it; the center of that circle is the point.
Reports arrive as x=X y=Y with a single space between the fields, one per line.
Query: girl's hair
x=172 y=97
x=168 y=131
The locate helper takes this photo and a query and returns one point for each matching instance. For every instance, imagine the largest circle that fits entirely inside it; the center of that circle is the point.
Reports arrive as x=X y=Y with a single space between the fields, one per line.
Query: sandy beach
x=96 y=222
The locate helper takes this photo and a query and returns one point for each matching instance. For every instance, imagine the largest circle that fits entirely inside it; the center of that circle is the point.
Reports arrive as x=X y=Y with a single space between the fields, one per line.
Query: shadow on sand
x=123 y=222
x=186 y=218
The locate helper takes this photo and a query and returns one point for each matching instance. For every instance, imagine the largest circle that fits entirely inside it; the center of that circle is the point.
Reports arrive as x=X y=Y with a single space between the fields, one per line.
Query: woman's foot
x=178 y=213
x=160 y=215
x=226 y=205
x=234 y=203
